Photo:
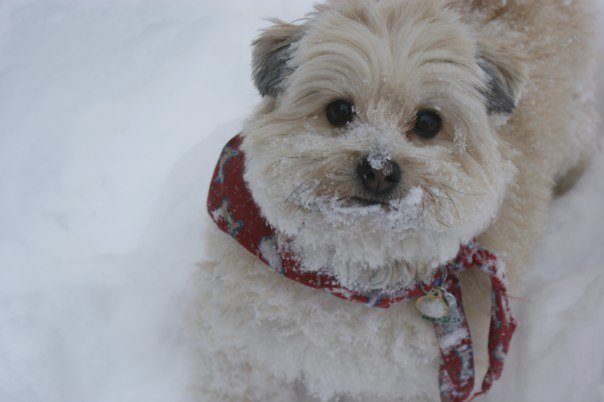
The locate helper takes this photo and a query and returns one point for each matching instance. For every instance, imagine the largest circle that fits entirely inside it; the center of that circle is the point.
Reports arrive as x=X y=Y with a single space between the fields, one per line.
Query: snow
x=112 y=114
x=377 y=161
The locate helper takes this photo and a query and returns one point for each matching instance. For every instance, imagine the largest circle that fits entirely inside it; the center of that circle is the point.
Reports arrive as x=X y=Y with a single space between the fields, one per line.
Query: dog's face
x=375 y=150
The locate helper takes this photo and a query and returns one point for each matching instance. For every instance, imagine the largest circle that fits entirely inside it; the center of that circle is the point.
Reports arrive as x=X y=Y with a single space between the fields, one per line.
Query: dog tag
x=436 y=306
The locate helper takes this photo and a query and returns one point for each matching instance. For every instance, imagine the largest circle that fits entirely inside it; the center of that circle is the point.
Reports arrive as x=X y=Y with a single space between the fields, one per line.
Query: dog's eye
x=428 y=124
x=339 y=113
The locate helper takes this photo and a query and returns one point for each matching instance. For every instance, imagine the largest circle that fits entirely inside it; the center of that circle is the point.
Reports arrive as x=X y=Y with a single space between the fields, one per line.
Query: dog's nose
x=379 y=181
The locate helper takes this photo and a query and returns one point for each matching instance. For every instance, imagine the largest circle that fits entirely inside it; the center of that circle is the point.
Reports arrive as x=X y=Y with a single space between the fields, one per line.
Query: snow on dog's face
x=374 y=150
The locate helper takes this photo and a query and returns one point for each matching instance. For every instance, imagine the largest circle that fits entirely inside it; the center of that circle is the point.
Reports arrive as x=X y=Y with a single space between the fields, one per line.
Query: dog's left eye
x=428 y=124
x=339 y=113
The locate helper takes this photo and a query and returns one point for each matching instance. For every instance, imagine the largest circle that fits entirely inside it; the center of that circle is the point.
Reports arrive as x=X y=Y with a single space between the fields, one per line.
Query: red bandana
x=233 y=209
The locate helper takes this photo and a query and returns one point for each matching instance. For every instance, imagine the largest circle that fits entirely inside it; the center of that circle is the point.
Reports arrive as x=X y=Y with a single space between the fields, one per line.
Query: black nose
x=379 y=181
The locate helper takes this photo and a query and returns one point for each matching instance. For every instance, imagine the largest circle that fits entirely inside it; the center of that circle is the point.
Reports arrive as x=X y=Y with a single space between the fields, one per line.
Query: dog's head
x=375 y=149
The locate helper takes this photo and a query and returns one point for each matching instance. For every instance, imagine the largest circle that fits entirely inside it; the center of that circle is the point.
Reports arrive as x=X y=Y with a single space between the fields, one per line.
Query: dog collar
x=233 y=209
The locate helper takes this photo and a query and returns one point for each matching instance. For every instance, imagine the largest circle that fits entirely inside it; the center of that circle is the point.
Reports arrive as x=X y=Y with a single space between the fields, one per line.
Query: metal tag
x=437 y=306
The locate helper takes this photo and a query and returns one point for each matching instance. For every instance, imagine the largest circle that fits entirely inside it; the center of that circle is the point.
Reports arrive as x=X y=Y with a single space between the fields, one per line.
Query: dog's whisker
x=313 y=158
x=441 y=222
x=461 y=192
x=304 y=162
x=438 y=202
x=312 y=192
x=298 y=187
x=454 y=206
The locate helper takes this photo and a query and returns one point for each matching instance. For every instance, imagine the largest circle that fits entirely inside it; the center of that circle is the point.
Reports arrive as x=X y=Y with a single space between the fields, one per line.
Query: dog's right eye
x=339 y=113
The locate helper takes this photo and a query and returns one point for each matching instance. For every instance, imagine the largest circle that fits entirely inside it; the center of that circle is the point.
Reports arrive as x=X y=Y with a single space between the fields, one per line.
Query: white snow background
x=112 y=114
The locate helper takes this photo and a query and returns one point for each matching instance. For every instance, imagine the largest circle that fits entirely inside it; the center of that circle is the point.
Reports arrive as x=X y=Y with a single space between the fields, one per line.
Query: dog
x=391 y=133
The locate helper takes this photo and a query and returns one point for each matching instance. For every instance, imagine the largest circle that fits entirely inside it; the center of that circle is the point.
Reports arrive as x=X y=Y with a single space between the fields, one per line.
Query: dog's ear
x=272 y=52
x=506 y=73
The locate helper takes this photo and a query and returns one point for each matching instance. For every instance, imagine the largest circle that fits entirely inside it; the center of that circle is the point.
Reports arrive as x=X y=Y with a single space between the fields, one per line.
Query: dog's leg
x=227 y=366
x=513 y=237
x=476 y=289
x=565 y=183
x=580 y=146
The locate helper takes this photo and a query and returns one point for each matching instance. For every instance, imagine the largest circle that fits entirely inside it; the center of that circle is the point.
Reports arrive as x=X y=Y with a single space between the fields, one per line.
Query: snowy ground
x=111 y=116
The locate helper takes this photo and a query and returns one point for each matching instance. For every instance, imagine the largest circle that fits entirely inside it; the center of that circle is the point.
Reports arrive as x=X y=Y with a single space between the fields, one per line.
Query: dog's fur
x=513 y=83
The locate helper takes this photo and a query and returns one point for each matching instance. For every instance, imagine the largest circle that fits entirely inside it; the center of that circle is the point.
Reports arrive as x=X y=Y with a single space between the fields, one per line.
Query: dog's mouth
x=367 y=202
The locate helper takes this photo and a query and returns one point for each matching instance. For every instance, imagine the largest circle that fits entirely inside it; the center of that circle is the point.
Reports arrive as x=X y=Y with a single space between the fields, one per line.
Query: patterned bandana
x=232 y=207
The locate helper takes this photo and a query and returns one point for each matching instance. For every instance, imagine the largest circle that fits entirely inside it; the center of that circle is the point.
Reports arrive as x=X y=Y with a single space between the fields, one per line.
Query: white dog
x=391 y=133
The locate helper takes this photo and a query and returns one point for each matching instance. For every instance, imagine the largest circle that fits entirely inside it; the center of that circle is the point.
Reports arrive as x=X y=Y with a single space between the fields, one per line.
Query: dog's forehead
x=405 y=28
x=384 y=46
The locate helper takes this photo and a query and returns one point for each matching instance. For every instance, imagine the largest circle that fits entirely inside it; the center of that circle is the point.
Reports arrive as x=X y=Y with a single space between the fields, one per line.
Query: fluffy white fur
x=490 y=173
x=389 y=69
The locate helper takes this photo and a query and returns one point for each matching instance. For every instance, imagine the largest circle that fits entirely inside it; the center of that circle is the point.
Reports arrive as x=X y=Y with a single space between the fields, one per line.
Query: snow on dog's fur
x=514 y=121
x=390 y=66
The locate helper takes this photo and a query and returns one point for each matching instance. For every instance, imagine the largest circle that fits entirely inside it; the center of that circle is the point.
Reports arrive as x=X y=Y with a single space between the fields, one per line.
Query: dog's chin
x=371 y=243
x=365 y=255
